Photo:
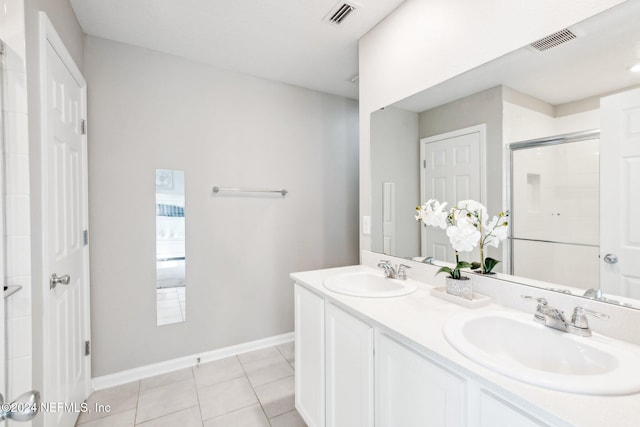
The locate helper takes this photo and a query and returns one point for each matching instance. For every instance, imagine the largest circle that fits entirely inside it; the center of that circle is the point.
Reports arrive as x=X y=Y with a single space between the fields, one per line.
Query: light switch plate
x=366 y=225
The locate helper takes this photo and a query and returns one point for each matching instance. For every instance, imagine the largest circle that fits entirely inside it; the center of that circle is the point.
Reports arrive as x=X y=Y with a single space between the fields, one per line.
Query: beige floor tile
x=121 y=398
x=225 y=397
x=122 y=419
x=163 y=400
x=186 y=418
x=288 y=351
x=217 y=371
x=267 y=370
x=277 y=397
x=290 y=419
x=164 y=379
x=251 y=416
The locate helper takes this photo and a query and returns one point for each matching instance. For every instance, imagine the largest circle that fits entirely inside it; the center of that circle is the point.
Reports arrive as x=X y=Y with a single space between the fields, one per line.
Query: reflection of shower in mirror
x=170 y=247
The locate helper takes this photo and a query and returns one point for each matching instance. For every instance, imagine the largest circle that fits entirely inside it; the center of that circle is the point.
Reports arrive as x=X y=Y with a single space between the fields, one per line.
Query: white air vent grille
x=553 y=40
x=339 y=13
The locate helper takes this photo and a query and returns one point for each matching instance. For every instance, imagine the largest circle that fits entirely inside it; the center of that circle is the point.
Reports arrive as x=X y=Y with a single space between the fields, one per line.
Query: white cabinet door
x=496 y=412
x=349 y=358
x=309 y=377
x=412 y=391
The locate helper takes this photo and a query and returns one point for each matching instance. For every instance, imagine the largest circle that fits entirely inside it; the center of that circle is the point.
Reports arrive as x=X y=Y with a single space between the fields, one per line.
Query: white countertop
x=419 y=318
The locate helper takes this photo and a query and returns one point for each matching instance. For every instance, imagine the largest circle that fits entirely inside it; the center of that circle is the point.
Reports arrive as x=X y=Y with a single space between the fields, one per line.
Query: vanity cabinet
x=495 y=411
x=309 y=349
x=349 y=364
x=413 y=391
x=352 y=374
x=334 y=364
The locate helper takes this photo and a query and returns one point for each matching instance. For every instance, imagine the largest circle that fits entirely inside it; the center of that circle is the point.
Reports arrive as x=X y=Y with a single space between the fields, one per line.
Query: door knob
x=610 y=259
x=55 y=280
x=24 y=408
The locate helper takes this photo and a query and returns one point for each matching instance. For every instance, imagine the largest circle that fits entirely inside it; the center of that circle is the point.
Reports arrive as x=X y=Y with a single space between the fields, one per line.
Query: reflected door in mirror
x=620 y=187
x=451 y=171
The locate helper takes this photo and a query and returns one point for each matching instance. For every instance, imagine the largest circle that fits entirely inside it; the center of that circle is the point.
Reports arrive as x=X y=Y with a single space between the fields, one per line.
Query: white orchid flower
x=432 y=213
x=473 y=210
x=495 y=231
x=463 y=236
x=467 y=225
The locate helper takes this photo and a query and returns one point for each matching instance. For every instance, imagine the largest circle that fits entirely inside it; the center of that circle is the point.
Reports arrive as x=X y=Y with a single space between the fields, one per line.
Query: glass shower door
x=556 y=211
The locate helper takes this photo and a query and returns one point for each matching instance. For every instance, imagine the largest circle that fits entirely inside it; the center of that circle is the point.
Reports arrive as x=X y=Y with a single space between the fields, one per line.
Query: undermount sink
x=371 y=284
x=514 y=345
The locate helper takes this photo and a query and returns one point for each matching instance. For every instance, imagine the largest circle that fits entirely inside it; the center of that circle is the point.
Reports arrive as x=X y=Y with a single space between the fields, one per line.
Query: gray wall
x=149 y=110
x=482 y=107
x=395 y=154
x=64 y=21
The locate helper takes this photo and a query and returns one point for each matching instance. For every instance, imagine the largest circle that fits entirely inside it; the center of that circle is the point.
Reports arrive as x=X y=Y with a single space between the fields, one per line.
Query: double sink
x=512 y=344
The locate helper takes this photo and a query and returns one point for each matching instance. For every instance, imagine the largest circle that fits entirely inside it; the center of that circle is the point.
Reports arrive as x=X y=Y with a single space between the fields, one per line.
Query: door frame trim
x=49 y=36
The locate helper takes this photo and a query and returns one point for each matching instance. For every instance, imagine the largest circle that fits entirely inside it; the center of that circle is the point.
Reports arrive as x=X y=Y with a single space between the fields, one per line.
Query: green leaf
x=489 y=263
x=463 y=264
x=475 y=265
x=445 y=270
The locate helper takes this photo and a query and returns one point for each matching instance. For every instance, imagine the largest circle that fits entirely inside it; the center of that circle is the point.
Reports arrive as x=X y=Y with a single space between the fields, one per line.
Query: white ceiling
x=595 y=63
x=282 y=40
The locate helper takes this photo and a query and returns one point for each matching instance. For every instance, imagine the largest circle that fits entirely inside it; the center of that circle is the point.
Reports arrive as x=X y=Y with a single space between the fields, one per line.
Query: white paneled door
x=451 y=170
x=620 y=194
x=65 y=256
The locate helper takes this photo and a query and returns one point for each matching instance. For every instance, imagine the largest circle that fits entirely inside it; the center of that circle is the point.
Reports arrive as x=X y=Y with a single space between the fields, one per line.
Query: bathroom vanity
x=385 y=362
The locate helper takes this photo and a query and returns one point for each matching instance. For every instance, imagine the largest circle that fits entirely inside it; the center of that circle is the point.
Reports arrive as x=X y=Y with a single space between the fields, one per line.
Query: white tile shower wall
x=18 y=231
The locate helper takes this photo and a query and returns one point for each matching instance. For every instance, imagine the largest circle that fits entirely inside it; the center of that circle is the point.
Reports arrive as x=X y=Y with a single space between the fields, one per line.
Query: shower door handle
x=54 y=280
x=610 y=259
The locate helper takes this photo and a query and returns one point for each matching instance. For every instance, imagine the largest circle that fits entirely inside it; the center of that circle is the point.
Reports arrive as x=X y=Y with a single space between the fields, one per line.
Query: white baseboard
x=123 y=377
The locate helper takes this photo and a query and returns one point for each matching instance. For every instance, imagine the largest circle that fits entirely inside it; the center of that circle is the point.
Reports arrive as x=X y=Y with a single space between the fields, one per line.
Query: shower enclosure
x=555 y=206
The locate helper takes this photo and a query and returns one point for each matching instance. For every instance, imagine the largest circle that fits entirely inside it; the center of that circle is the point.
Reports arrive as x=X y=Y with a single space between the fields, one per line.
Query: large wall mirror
x=535 y=115
x=170 y=247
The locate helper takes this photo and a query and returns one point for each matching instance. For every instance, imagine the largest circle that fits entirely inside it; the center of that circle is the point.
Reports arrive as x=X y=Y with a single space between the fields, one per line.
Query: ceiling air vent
x=339 y=13
x=553 y=40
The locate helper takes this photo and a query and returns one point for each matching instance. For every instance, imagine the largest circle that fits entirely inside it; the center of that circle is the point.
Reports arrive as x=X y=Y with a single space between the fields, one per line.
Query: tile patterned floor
x=170 y=303
x=249 y=390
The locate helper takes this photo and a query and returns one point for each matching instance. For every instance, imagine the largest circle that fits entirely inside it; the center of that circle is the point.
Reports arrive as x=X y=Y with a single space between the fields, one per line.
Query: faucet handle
x=579 y=324
x=543 y=302
x=384 y=262
x=402 y=271
x=542 y=309
x=579 y=318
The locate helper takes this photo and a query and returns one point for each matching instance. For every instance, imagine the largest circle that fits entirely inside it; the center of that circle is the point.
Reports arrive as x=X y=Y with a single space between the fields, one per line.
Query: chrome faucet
x=548 y=316
x=597 y=295
x=400 y=272
x=593 y=293
x=554 y=318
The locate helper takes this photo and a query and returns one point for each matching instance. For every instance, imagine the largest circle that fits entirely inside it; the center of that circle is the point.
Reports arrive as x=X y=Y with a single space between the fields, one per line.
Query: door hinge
x=85 y=237
x=424 y=164
x=1 y=47
x=87 y=348
x=83 y=126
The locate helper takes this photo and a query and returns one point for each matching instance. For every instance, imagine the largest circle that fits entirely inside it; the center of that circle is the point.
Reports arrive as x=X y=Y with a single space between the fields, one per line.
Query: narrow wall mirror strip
x=170 y=247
